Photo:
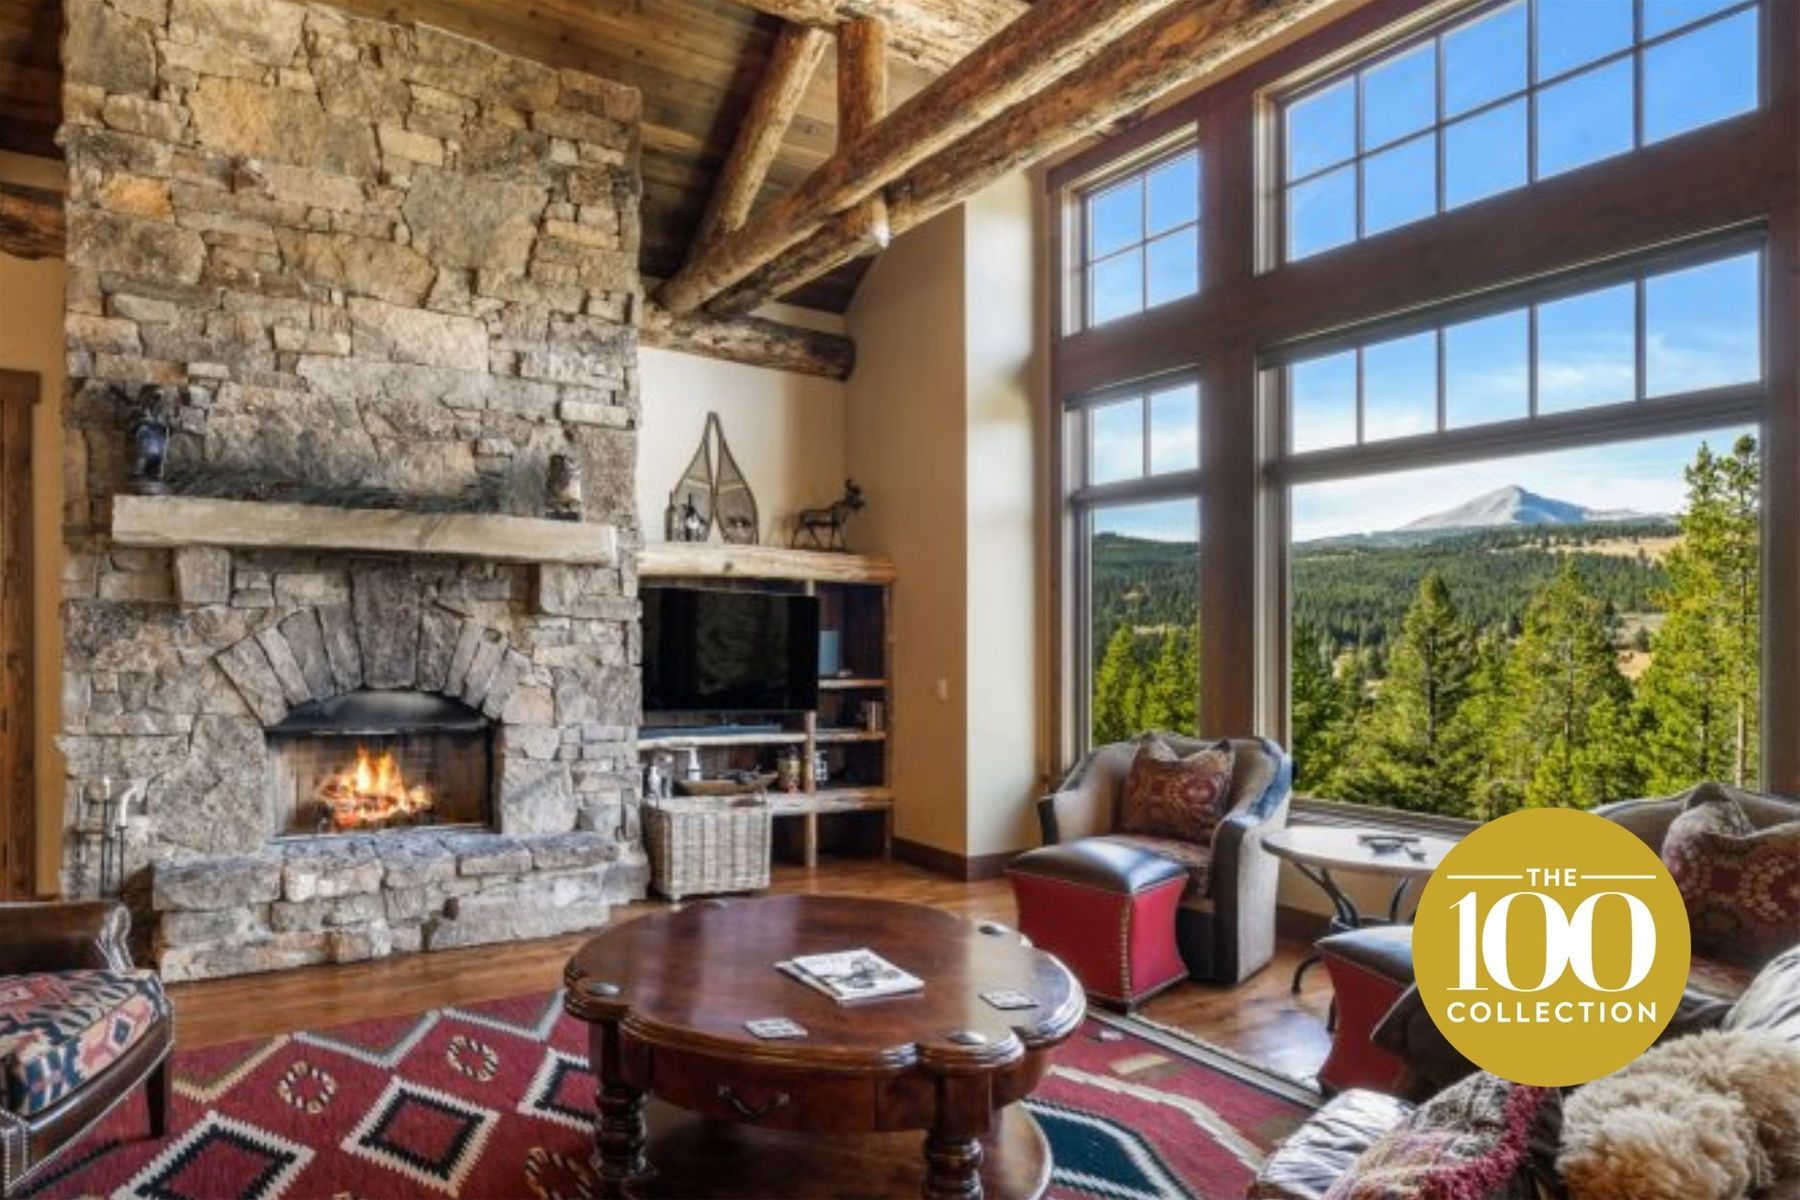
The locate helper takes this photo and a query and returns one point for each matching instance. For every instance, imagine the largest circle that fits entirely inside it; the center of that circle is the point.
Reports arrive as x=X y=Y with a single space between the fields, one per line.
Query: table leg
x=952 y=1166
x=619 y=1137
x=1400 y=890
x=1345 y=917
x=620 y=1133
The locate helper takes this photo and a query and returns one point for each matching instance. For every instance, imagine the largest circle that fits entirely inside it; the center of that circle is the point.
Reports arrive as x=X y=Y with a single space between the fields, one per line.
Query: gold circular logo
x=1551 y=947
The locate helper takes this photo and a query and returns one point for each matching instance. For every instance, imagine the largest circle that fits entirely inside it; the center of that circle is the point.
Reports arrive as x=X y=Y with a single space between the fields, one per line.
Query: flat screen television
x=717 y=651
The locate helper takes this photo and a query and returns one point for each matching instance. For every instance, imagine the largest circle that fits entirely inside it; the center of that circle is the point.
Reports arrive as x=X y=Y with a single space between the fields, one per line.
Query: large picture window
x=1516 y=606
x=1501 y=98
x=1561 y=628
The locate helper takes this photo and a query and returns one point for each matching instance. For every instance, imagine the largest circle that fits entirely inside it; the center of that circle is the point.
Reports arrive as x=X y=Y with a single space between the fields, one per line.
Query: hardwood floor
x=1258 y=1019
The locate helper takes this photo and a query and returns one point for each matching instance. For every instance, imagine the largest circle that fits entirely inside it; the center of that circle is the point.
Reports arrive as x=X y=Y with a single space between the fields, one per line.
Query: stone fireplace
x=343 y=691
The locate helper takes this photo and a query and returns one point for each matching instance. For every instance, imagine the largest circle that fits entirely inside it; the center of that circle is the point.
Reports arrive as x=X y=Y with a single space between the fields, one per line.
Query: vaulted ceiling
x=785 y=141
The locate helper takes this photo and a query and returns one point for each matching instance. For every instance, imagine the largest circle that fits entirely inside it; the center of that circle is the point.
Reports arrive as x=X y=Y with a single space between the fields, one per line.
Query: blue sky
x=1645 y=476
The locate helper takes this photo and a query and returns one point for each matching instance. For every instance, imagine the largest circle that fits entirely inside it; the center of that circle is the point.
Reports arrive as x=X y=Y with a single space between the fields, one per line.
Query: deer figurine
x=823 y=528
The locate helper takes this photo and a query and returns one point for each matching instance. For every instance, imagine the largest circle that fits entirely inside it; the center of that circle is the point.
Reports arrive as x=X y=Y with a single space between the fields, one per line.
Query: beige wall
x=941 y=432
x=786 y=432
x=1001 y=371
x=907 y=446
x=31 y=339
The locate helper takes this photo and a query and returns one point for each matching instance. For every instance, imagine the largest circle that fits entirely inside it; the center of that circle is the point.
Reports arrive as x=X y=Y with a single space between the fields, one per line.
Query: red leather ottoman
x=1108 y=911
x=1369 y=968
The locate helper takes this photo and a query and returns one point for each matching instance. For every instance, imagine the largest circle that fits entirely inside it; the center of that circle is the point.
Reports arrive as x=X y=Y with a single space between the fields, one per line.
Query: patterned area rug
x=493 y=1101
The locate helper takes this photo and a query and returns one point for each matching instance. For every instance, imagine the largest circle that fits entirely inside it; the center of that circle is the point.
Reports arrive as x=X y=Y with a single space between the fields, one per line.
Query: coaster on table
x=775 y=1028
x=1008 y=999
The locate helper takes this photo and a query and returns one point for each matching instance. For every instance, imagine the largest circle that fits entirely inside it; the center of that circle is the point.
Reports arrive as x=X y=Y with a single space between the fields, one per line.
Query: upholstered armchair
x=80 y=1029
x=1226 y=923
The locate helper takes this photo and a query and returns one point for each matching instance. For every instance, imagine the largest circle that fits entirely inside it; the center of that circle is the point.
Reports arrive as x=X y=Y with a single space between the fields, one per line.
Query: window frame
x=1739 y=176
x=1628 y=421
x=1077 y=310
x=1540 y=430
x=1351 y=66
x=1083 y=499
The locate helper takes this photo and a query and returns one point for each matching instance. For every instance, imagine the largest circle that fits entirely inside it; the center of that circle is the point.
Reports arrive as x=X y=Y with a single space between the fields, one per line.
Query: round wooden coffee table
x=667 y=996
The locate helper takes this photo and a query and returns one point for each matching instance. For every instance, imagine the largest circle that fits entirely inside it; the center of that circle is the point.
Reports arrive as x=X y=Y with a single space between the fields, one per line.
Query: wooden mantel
x=169 y=521
x=709 y=560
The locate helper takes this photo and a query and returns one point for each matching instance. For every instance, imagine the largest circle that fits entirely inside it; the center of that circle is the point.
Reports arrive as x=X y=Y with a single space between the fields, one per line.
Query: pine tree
x=1700 y=697
x=1481 y=723
x=1170 y=695
x=1565 y=692
x=1118 y=689
x=1318 y=707
x=1413 y=754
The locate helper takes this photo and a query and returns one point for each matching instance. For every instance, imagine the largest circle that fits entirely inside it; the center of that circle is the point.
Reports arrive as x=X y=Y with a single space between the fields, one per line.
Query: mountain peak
x=1514 y=505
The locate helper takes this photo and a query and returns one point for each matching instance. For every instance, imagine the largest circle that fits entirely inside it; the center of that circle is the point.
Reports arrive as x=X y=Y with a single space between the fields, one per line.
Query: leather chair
x=73 y=950
x=1225 y=926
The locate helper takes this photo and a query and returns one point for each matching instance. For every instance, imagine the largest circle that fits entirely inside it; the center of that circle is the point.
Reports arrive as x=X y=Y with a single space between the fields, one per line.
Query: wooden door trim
x=18 y=730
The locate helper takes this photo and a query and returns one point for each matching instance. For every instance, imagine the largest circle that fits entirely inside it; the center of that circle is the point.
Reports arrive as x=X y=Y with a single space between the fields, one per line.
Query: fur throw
x=1711 y=1115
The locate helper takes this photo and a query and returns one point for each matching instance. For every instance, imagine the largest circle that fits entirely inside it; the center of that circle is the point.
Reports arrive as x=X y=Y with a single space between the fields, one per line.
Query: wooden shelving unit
x=855 y=594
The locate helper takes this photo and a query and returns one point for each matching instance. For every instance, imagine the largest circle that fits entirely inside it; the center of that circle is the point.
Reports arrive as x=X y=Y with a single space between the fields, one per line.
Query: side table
x=1318 y=850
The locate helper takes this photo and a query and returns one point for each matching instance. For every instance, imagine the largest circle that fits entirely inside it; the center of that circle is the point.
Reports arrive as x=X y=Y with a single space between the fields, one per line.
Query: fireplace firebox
x=374 y=761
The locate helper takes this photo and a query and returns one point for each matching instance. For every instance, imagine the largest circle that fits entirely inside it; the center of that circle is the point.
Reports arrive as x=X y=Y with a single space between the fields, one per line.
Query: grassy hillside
x=1356 y=590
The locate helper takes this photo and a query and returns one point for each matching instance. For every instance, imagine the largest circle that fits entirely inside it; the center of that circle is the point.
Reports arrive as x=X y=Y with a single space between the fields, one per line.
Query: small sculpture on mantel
x=686 y=524
x=823 y=528
x=562 y=488
x=150 y=441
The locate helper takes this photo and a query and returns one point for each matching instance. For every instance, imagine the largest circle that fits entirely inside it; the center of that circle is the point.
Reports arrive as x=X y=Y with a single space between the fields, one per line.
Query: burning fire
x=372 y=792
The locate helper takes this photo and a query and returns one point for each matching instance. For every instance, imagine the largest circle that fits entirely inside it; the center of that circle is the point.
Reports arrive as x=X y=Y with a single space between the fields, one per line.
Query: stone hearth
x=360 y=259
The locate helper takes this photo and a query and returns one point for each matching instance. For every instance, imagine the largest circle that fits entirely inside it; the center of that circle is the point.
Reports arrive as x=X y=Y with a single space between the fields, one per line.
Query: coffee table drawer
x=771 y=1097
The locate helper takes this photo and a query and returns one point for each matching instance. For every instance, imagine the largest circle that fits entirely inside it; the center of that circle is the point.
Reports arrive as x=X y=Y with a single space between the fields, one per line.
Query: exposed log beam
x=31 y=222
x=1181 y=46
x=751 y=340
x=797 y=51
x=1047 y=43
x=862 y=89
x=935 y=34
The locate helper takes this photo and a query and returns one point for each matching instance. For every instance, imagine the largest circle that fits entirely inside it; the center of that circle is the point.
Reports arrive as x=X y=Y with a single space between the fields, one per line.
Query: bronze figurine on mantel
x=823 y=528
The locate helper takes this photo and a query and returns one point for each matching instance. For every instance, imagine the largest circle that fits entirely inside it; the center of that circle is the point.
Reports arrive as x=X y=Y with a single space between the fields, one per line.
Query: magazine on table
x=851 y=975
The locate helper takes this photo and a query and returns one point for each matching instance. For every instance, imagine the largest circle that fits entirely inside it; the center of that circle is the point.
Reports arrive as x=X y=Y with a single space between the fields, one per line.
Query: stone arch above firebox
x=324 y=651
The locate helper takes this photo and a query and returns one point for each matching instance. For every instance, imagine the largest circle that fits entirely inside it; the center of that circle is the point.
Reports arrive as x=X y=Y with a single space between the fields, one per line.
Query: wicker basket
x=705 y=845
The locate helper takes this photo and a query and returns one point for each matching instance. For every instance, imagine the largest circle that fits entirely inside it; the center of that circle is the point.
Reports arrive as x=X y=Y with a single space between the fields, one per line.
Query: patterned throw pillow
x=1168 y=796
x=1481 y=1139
x=1741 y=884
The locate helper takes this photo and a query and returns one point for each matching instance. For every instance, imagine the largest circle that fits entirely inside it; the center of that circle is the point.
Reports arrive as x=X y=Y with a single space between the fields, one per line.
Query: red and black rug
x=494 y=1100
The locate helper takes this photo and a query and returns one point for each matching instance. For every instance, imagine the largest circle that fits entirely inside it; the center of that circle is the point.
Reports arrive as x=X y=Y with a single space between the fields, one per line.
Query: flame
x=372 y=792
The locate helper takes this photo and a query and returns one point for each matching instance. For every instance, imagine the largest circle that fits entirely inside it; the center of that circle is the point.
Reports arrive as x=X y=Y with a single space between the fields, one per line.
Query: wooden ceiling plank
x=1047 y=43
x=798 y=49
x=1175 y=49
x=933 y=34
x=862 y=102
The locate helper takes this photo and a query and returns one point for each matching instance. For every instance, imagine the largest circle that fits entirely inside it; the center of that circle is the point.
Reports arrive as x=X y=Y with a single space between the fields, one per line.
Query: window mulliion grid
x=1681 y=329
x=1140 y=240
x=1511 y=94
